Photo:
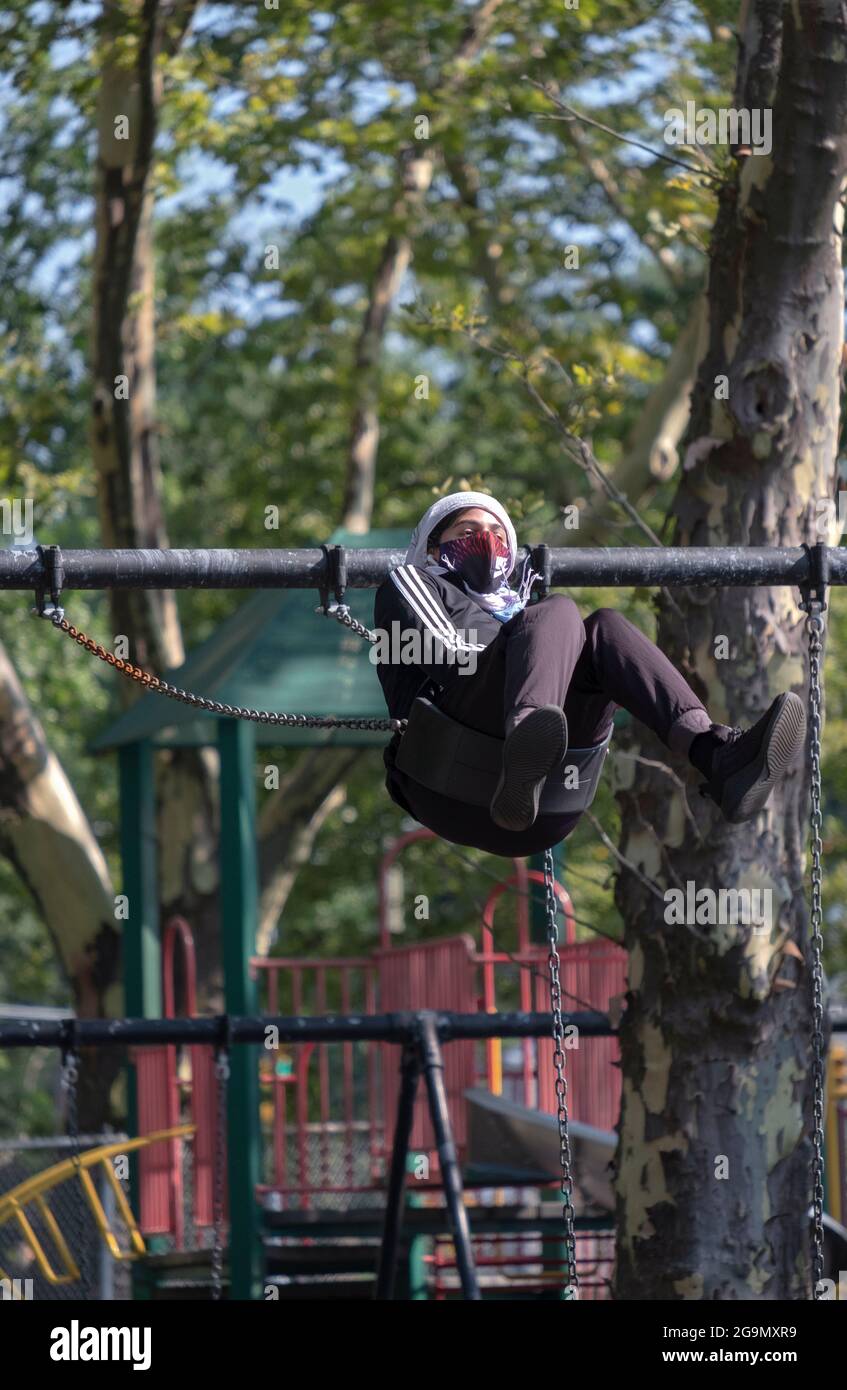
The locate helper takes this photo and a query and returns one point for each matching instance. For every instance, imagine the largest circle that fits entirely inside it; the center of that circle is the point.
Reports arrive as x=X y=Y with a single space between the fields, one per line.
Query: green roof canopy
x=274 y=653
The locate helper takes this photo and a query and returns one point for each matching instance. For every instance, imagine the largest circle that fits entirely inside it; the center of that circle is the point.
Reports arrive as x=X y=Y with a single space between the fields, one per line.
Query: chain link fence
x=66 y=1209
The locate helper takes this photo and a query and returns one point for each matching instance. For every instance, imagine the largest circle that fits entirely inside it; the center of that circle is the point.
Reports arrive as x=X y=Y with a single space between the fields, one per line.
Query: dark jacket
x=443 y=627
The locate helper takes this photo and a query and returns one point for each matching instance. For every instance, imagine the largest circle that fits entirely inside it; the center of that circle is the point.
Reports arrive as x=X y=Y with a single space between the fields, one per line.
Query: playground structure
x=327 y=1149
x=332 y=1252
x=455 y=974
x=389 y=978
x=35 y=1193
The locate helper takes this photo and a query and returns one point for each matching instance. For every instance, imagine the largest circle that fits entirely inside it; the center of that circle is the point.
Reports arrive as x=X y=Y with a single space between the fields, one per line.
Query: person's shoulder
x=413 y=588
x=389 y=593
x=407 y=576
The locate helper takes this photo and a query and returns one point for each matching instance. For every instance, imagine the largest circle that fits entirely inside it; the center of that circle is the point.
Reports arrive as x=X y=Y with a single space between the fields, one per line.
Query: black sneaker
x=752 y=762
x=530 y=752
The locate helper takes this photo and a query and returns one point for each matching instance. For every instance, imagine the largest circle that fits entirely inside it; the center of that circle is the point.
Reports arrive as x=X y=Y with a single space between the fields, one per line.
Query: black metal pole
x=393 y=1028
x=410 y=1070
x=432 y=1060
x=715 y=566
x=589 y=1024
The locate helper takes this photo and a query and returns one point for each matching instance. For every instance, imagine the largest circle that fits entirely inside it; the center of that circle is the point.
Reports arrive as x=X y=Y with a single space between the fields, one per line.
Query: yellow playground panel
x=34 y=1192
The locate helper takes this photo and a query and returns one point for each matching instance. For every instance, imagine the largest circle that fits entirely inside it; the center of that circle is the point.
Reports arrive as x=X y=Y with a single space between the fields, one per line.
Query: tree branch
x=571 y=114
x=622 y=859
x=675 y=778
x=578 y=451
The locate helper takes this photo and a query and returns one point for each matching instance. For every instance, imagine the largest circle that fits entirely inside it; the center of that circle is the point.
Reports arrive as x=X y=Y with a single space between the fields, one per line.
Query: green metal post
x=239 y=905
x=142 y=954
x=141 y=945
x=419 y=1247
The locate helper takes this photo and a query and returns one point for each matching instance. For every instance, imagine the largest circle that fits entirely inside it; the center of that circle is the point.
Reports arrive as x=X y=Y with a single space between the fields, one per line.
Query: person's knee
x=606 y=622
x=557 y=608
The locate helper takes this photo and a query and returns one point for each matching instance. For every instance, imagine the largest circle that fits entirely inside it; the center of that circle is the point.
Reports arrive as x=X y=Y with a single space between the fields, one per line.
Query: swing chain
x=572 y=1289
x=221 y=1079
x=815 y=629
x=335 y=578
x=258 y=716
x=342 y=614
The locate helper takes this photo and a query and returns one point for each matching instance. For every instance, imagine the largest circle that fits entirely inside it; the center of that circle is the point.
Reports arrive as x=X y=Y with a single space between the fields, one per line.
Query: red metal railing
x=516 y=1264
x=529 y=958
x=321 y=1103
x=431 y=975
x=328 y=1109
x=161 y=1097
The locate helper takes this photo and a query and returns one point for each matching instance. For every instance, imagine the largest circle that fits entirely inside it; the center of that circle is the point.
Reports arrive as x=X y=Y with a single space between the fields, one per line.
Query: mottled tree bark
x=713 y=1163
x=123 y=411
x=45 y=835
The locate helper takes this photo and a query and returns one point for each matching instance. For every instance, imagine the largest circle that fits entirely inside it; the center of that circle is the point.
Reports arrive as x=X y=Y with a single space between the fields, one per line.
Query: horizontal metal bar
x=362 y=1222
x=34 y=1011
x=395 y=1028
x=61 y=1141
x=712 y=566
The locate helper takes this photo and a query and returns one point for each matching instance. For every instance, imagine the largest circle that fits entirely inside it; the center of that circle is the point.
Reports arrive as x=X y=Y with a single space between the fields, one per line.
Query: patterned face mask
x=481 y=561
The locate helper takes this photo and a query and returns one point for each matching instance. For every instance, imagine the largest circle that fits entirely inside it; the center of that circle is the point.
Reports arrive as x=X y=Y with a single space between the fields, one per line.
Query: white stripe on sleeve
x=424 y=604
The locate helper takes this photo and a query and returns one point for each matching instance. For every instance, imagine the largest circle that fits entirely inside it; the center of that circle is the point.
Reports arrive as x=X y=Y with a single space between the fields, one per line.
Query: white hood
x=456 y=502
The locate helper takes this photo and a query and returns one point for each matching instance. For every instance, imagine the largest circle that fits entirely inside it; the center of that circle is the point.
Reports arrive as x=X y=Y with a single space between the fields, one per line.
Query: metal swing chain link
x=221 y=1080
x=342 y=614
x=258 y=716
x=814 y=629
x=572 y=1290
x=70 y=1084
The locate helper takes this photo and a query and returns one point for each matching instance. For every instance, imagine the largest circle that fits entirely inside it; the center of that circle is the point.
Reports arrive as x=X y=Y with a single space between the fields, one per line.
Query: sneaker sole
x=529 y=754
x=747 y=792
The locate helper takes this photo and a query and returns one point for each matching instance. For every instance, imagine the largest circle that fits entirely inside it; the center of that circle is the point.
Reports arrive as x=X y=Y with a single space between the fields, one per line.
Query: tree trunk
x=123 y=424
x=714 y=1155
x=125 y=447
x=652 y=450
x=485 y=253
x=416 y=176
x=125 y=440
x=44 y=834
x=416 y=163
x=290 y=824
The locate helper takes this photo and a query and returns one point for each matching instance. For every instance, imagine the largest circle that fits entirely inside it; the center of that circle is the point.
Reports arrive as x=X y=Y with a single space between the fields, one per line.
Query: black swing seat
x=448 y=757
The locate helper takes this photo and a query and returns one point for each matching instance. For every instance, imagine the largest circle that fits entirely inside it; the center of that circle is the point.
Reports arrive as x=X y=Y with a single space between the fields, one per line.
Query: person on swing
x=542 y=678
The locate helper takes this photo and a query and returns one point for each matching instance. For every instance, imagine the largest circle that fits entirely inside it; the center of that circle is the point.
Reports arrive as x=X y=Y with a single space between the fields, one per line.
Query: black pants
x=547 y=655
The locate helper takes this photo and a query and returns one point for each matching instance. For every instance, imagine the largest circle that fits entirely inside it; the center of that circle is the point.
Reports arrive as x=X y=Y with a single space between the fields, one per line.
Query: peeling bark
x=715 y=1050
x=45 y=836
